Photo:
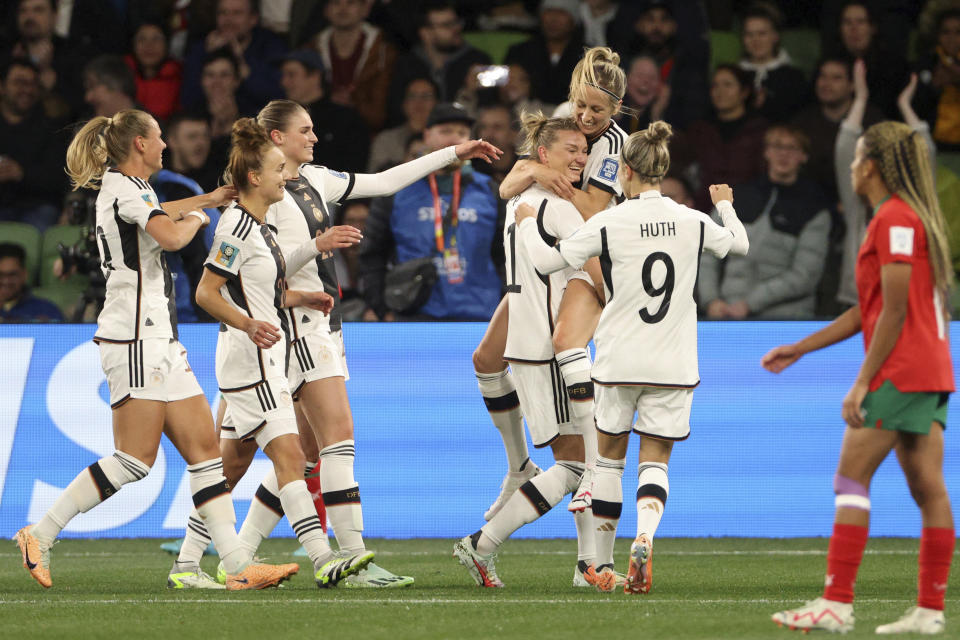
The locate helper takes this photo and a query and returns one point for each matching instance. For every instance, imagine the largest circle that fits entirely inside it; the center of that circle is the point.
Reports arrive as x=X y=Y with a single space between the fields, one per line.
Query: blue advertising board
x=759 y=462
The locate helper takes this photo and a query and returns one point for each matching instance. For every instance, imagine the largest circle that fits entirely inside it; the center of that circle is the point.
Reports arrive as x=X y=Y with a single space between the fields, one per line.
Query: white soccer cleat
x=331 y=573
x=820 y=614
x=583 y=498
x=376 y=577
x=191 y=578
x=916 y=620
x=482 y=568
x=511 y=482
x=579 y=579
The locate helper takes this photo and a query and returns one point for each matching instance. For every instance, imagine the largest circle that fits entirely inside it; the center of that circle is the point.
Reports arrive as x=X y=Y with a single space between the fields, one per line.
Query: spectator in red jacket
x=157 y=76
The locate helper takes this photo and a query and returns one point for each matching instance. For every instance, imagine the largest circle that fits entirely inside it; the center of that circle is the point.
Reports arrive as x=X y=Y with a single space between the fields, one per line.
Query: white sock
x=341 y=495
x=302 y=516
x=503 y=404
x=533 y=499
x=92 y=486
x=264 y=513
x=195 y=541
x=586 y=536
x=607 y=505
x=653 y=487
x=211 y=498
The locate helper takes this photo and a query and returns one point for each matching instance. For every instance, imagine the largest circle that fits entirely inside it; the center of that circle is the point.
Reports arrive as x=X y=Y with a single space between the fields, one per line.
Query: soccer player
x=317 y=370
x=534 y=300
x=244 y=287
x=649 y=249
x=152 y=388
x=596 y=95
x=899 y=398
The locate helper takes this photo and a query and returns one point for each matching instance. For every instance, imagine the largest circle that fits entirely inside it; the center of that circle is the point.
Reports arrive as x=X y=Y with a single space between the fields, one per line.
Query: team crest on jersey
x=609 y=168
x=226 y=254
x=146 y=198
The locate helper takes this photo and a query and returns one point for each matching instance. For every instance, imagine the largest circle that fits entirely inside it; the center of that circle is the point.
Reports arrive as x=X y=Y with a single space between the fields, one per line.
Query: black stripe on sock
x=604 y=509
x=535 y=497
x=200 y=532
x=210 y=467
x=502 y=403
x=269 y=500
x=339 y=450
x=207 y=494
x=344 y=496
x=316 y=526
x=132 y=469
x=652 y=491
x=104 y=486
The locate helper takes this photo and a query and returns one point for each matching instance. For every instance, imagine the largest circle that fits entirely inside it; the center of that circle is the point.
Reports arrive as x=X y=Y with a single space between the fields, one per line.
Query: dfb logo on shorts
x=609 y=169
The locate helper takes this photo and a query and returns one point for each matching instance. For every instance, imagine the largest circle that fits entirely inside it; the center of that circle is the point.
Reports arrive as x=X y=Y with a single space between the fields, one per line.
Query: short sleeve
x=137 y=202
x=586 y=242
x=335 y=186
x=603 y=174
x=896 y=235
x=227 y=251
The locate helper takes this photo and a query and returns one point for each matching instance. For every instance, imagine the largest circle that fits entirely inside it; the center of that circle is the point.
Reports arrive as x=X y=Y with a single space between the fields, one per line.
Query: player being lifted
x=533 y=303
x=649 y=249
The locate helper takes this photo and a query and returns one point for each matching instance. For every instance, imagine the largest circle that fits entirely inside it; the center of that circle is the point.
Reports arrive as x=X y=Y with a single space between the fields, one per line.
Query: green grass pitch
x=703 y=588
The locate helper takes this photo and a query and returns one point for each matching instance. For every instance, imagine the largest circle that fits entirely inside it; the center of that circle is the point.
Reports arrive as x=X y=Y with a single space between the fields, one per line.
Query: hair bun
x=659 y=131
x=248 y=133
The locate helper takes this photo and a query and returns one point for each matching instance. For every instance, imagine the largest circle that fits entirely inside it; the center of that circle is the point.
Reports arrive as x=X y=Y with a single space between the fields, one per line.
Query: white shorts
x=580 y=274
x=261 y=412
x=151 y=369
x=544 y=401
x=316 y=356
x=661 y=413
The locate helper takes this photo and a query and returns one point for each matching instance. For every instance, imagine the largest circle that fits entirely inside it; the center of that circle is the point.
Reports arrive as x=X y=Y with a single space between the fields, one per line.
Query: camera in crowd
x=83 y=257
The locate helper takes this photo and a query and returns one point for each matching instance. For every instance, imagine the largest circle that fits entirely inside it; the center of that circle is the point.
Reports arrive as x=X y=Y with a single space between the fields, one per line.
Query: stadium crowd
x=765 y=96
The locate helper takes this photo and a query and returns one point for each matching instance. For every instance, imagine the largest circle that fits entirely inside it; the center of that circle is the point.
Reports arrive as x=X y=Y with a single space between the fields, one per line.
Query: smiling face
x=759 y=39
x=152 y=146
x=149 y=46
x=297 y=139
x=592 y=111
x=566 y=154
x=271 y=180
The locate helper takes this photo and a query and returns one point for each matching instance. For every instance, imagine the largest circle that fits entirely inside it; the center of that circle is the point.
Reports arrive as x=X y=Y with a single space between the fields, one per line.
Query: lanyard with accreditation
x=451 y=257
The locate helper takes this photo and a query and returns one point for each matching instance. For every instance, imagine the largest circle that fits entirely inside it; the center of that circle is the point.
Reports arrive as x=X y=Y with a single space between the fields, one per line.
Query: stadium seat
x=948 y=191
x=495 y=43
x=803 y=45
x=65 y=296
x=69 y=235
x=724 y=48
x=28 y=237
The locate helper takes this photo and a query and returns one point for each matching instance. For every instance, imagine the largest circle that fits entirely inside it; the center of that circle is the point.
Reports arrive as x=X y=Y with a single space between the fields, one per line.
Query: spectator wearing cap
x=16 y=302
x=358 y=60
x=157 y=76
x=342 y=135
x=550 y=56
x=468 y=250
x=109 y=85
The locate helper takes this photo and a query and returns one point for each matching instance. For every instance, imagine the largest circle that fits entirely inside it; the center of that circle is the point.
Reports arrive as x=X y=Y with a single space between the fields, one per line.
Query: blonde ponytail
x=102 y=143
x=540 y=131
x=599 y=68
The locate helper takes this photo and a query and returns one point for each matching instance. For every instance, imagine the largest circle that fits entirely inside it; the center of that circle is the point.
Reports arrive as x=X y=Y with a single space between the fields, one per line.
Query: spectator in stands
x=468 y=254
x=441 y=55
x=358 y=60
x=220 y=79
x=188 y=146
x=32 y=182
x=597 y=16
x=419 y=99
x=678 y=189
x=59 y=63
x=342 y=135
x=726 y=148
x=254 y=48
x=495 y=124
x=16 y=302
x=109 y=85
x=887 y=70
x=550 y=56
x=647 y=95
x=938 y=96
x=788 y=222
x=777 y=85
x=833 y=89
x=157 y=76
x=675 y=33
x=347 y=261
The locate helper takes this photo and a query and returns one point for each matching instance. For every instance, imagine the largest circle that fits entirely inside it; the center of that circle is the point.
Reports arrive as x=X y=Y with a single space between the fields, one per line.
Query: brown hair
x=102 y=143
x=646 y=152
x=903 y=159
x=275 y=116
x=794 y=132
x=249 y=142
x=540 y=131
x=599 y=68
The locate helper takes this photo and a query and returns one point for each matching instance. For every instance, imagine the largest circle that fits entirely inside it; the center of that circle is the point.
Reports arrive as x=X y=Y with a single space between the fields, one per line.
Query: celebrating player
x=152 y=388
x=596 y=91
x=904 y=276
x=649 y=249
x=534 y=299
x=318 y=370
x=244 y=287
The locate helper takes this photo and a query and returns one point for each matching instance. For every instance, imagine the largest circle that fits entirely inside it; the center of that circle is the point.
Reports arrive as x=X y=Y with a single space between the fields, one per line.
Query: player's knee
x=486 y=362
x=562 y=338
x=926 y=488
x=850 y=493
x=234 y=469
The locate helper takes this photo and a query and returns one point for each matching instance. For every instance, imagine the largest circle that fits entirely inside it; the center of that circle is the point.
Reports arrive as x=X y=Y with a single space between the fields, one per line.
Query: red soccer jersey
x=920 y=360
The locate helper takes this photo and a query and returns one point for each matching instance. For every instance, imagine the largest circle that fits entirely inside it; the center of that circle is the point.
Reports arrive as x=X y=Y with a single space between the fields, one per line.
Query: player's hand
x=852 y=410
x=222 y=196
x=717 y=310
x=339 y=237
x=906 y=96
x=738 y=310
x=523 y=212
x=720 y=192
x=478 y=149
x=780 y=358
x=860 y=90
x=319 y=300
x=553 y=180
x=263 y=334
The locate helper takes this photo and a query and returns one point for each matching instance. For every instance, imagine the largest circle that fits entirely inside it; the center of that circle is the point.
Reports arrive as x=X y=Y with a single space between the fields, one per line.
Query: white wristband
x=199 y=216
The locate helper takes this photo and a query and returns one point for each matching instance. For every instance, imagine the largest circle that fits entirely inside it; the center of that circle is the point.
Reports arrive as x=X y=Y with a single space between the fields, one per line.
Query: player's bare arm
x=262 y=334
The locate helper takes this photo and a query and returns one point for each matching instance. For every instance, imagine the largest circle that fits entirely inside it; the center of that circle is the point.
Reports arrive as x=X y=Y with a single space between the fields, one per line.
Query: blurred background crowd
x=768 y=97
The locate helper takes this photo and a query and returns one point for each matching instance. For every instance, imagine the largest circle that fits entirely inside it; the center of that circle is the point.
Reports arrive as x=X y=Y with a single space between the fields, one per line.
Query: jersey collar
x=647 y=195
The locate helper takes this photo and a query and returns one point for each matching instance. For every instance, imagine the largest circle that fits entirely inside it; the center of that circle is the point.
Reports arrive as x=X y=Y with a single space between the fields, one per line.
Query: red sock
x=843 y=561
x=936 y=552
x=312 y=479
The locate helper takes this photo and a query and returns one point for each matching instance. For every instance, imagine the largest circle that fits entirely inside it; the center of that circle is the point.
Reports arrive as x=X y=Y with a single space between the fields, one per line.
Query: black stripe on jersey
x=512 y=233
x=155 y=213
x=614 y=138
x=606 y=264
x=549 y=239
x=346 y=194
x=220 y=272
x=280 y=284
x=130 y=250
x=133 y=180
x=696 y=278
x=602 y=186
x=171 y=296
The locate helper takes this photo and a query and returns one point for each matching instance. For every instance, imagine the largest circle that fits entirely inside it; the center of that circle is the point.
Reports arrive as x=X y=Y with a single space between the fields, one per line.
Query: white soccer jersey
x=603 y=162
x=139 y=298
x=649 y=249
x=302 y=214
x=534 y=299
x=246 y=253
